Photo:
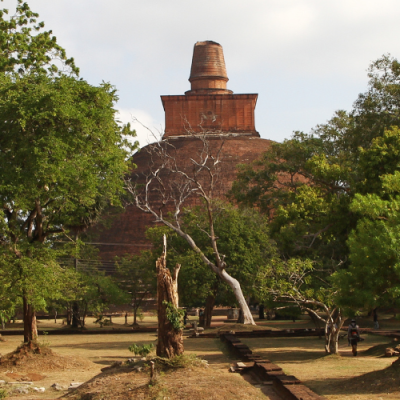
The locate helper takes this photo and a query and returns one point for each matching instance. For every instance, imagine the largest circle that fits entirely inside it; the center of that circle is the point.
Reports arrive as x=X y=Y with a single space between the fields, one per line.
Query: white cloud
x=305 y=58
x=147 y=129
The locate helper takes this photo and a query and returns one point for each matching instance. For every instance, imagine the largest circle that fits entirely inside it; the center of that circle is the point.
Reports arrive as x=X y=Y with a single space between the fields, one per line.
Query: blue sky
x=305 y=58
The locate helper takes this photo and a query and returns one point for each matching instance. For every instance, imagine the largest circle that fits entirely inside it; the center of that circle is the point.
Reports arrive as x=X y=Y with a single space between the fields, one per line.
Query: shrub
x=142 y=351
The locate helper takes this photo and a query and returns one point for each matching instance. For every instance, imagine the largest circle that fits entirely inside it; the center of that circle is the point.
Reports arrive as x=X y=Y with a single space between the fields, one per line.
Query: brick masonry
x=287 y=386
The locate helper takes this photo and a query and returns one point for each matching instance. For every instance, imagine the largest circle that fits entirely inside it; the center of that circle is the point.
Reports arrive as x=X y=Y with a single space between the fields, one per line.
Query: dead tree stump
x=170 y=339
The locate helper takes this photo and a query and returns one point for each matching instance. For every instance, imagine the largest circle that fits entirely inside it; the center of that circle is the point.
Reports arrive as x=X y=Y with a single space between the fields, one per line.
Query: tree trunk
x=84 y=314
x=237 y=291
x=332 y=331
x=210 y=302
x=69 y=317
x=55 y=316
x=170 y=340
x=76 y=321
x=3 y=323
x=30 y=327
x=332 y=339
x=134 y=316
x=126 y=318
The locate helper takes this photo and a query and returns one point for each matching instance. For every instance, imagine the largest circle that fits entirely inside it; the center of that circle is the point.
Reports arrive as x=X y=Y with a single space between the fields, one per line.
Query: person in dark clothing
x=185 y=318
x=353 y=335
x=201 y=318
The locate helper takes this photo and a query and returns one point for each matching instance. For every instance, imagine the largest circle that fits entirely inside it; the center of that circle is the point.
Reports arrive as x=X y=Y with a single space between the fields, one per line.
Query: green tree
x=310 y=185
x=136 y=276
x=61 y=151
x=373 y=277
x=99 y=292
x=243 y=241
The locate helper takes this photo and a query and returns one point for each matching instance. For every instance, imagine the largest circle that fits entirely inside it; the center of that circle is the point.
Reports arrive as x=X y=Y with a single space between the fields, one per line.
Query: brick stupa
x=207 y=107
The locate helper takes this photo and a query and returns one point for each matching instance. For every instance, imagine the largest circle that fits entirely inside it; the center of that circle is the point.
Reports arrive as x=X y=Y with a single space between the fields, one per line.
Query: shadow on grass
x=109 y=360
x=382 y=382
x=212 y=350
x=114 y=345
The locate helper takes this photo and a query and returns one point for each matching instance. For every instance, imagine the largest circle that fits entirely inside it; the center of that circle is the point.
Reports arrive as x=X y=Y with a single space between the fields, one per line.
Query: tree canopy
x=62 y=154
x=328 y=196
x=25 y=48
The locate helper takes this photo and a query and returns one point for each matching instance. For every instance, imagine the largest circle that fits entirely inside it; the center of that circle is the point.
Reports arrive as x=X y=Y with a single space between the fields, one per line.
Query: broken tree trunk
x=170 y=339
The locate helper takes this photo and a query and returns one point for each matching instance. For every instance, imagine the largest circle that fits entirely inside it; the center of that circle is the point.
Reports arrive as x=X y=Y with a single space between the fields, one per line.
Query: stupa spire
x=208 y=73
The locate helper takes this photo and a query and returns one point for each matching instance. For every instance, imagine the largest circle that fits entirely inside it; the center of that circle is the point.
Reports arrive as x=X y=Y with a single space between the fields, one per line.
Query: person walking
x=353 y=335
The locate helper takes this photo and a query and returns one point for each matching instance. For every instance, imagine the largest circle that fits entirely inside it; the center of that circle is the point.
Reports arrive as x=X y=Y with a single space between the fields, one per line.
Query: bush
x=3 y=393
x=142 y=351
x=102 y=321
x=139 y=314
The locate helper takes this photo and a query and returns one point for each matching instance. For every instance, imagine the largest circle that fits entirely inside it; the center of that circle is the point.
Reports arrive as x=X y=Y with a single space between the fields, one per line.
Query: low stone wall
x=14 y=332
x=296 y=332
x=287 y=386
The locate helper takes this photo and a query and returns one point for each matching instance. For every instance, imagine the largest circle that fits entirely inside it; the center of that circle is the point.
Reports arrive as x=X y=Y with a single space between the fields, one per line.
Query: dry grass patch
x=26 y=359
x=171 y=384
x=98 y=351
x=365 y=377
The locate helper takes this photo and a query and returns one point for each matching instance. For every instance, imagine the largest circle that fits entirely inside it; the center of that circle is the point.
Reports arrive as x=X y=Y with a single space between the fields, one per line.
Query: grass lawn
x=81 y=357
x=335 y=377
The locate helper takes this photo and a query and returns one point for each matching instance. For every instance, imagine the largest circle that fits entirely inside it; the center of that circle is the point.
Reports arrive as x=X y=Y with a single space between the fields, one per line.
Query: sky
x=305 y=58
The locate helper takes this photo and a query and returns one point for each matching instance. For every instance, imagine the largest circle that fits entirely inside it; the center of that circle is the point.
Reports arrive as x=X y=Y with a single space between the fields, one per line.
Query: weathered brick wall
x=233 y=113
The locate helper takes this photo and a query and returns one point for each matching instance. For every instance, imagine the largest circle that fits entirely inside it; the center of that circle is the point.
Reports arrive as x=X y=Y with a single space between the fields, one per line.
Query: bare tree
x=175 y=179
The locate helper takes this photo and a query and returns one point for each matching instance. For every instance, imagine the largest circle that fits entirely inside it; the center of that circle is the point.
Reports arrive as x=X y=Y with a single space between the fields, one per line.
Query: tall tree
x=308 y=184
x=373 y=277
x=60 y=151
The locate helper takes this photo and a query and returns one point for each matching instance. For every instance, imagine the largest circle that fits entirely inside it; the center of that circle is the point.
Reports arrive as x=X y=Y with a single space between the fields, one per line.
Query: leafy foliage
x=62 y=158
x=136 y=276
x=174 y=315
x=243 y=240
x=26 y=49
x=3 y=393
x=373 y=278
x=331 y=197
x=141 y=350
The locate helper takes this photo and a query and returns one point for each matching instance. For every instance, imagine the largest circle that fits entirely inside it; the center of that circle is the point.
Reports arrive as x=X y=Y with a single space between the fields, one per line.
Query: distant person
x=375 y=315
x=353 y=335
x=185 y=318
x=201 y=318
